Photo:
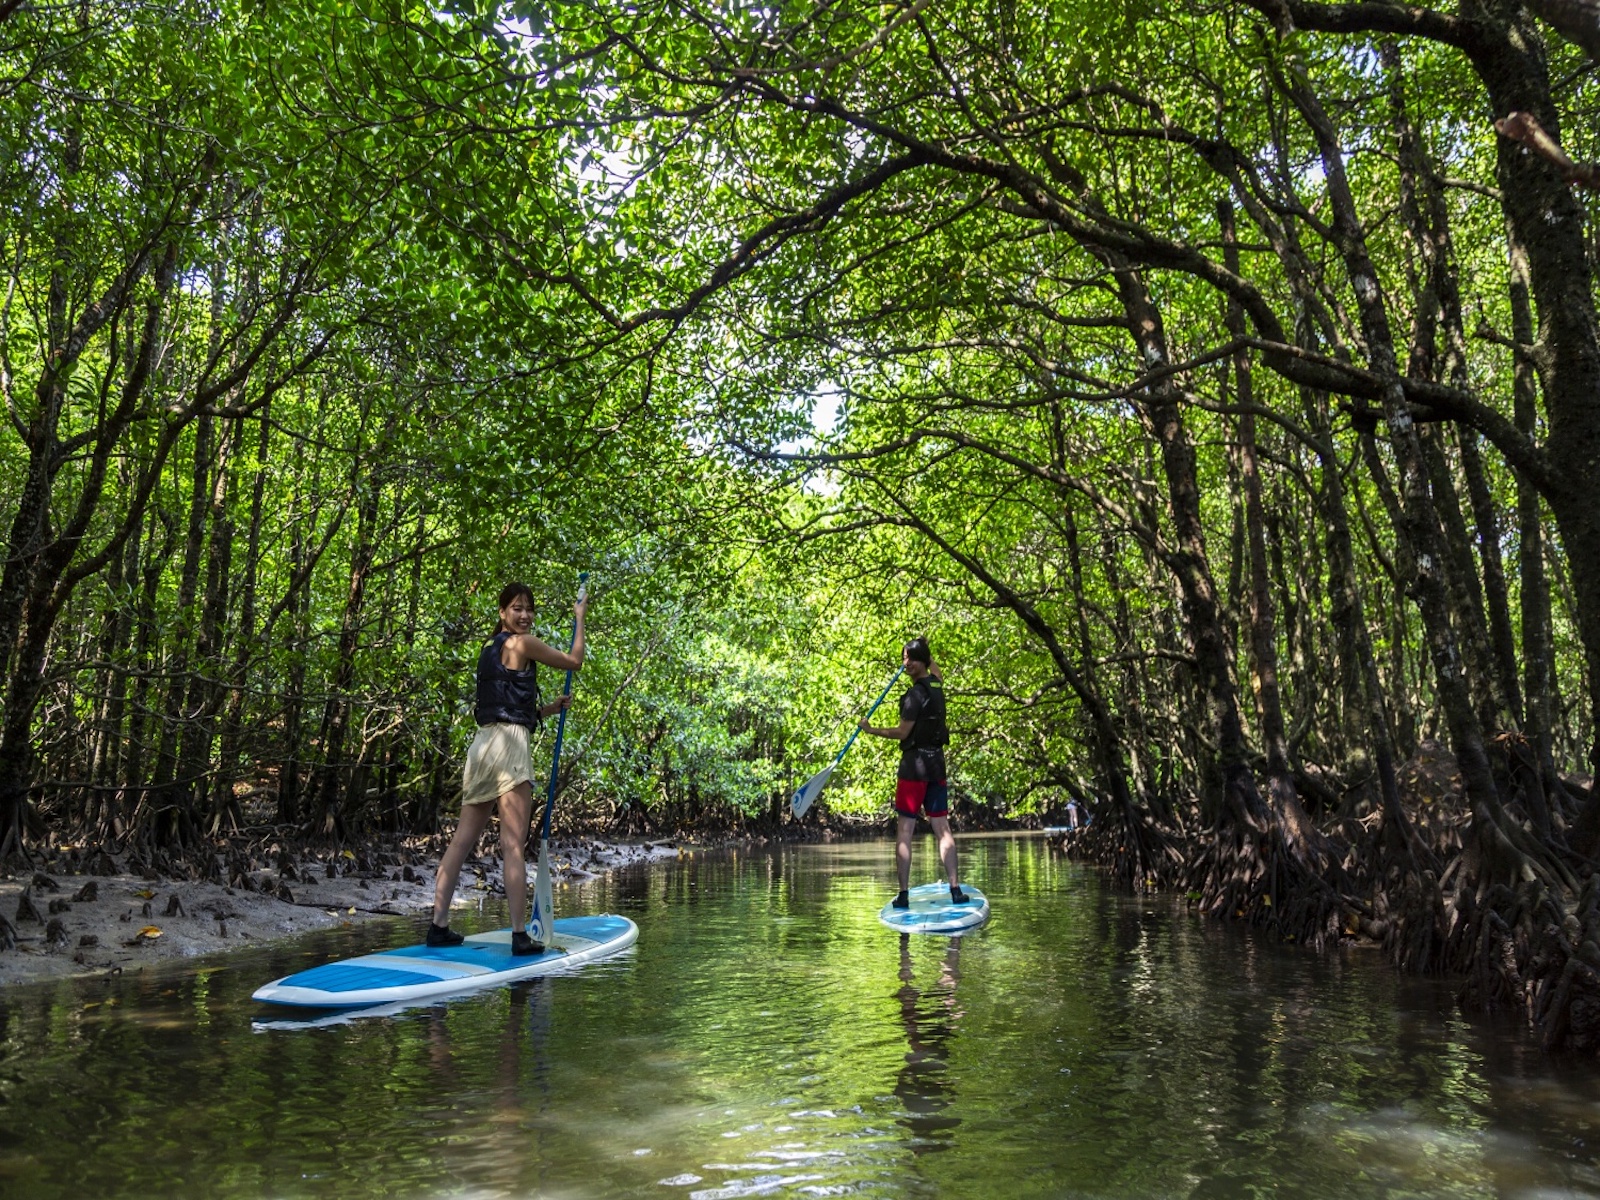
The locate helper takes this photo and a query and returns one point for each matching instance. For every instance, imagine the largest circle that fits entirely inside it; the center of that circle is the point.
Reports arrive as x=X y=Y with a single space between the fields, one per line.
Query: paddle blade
x=542 y=923
x=812 y=789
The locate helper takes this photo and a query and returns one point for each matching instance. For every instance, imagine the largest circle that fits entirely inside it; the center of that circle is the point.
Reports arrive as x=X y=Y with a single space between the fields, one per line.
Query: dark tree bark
x=1263 y=625
x=224 y=809
x=1537 y=642
x=1417 y=518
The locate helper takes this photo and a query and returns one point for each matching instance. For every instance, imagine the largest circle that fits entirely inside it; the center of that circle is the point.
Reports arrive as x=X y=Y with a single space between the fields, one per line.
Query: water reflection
x=930 y=1019
x=767 y=1036
x=532 y=1009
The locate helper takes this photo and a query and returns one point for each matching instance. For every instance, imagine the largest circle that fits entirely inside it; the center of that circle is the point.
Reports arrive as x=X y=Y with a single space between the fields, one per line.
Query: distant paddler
x=921 y=787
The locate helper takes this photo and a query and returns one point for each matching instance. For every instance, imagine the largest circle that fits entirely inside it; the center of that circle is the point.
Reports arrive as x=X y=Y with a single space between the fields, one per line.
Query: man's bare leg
x=902 y=850
x=947 y=849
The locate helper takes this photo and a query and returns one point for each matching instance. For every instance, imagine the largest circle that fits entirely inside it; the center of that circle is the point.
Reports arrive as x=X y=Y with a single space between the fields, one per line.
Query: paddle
x=813 y=786
x=542 y=922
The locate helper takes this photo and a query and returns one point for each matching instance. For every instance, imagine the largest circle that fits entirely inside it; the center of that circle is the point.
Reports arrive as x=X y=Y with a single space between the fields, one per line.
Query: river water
x=767 y=1037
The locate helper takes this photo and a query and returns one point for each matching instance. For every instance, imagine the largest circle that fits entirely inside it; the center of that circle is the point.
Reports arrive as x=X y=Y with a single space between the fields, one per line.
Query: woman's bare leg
x=468 y=829
x=515 y=808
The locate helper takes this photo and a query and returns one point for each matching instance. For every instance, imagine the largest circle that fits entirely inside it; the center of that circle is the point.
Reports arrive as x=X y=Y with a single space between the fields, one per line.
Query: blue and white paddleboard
x=419 y=972
x=932 y=912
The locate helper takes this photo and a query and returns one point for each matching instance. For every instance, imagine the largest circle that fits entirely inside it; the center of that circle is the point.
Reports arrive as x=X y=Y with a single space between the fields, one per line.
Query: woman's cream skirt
x=497 y=762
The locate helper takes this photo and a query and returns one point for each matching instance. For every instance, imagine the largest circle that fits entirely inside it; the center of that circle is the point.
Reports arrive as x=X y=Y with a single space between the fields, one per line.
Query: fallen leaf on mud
x=350 y=854
x=145 y=893
x=150 y=931
x=351 y=909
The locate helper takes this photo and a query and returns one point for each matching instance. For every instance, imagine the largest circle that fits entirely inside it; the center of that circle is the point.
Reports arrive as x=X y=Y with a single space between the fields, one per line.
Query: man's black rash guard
x=922 y=750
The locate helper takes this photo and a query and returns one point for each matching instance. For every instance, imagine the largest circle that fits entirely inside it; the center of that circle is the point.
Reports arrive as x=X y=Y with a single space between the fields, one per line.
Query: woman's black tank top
x=506 y=697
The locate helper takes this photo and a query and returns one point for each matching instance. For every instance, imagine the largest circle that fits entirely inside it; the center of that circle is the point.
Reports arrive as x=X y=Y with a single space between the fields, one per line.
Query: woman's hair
x=507 y=594
x=917 y=651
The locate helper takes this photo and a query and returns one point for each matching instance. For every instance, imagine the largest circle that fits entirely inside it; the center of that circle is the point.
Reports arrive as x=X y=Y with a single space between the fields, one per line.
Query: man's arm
x=896 y=733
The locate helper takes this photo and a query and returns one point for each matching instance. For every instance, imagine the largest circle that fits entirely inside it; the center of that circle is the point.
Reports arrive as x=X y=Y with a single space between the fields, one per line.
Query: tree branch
x=1523 y=127
x=1371 y=17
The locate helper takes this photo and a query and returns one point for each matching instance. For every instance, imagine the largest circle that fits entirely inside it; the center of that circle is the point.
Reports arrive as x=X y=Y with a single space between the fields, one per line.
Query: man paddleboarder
x=921 y=788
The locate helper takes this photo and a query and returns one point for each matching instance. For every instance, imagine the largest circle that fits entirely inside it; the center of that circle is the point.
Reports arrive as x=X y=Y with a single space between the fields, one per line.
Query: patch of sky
x=1363 y=60
x=825 y=412
x=609 y=171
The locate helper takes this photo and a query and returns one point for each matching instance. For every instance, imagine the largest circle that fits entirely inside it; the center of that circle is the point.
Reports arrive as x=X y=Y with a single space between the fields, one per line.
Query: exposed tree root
x=1252 y=867
x=1515 y=915
x=1140 y=854
x=1528 y=948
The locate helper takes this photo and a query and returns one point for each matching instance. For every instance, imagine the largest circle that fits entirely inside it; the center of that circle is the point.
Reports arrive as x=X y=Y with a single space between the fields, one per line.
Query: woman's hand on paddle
x=561 y=703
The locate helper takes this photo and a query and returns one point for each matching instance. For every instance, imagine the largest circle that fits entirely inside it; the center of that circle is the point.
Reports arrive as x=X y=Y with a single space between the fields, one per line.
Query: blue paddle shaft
x=870 y=711
x=561 y=722
x=838 y=758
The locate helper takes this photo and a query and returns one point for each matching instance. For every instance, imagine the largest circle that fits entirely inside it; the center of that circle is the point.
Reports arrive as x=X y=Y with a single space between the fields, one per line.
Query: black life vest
x=506 y=697
x=930 y=731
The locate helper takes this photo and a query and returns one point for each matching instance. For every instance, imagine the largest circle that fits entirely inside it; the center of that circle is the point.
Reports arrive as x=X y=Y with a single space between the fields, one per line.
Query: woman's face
x=517 y=617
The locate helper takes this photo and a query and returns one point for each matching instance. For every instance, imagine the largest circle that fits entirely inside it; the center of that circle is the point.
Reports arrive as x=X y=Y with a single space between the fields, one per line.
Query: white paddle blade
x=812 y=789
x=542 y=924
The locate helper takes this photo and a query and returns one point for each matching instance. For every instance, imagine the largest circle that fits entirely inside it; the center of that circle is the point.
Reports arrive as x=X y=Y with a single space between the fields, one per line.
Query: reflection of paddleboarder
x=921 y=786
x=525 y=1056
x=930 y=1020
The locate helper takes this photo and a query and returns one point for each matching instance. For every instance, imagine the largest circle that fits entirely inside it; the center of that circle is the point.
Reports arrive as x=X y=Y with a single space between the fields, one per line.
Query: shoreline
x=98 y=917
x=84 y=913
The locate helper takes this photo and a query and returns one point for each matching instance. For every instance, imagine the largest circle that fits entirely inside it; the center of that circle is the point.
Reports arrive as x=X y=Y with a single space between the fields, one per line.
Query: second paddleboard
x=932 y=912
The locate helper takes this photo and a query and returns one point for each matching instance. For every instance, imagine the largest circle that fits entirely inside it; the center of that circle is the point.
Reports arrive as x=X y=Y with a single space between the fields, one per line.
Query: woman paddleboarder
x=499 y=768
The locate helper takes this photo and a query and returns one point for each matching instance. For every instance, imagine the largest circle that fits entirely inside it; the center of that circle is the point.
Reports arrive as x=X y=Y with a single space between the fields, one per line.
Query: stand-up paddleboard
x=419 y=972
x=932 y=912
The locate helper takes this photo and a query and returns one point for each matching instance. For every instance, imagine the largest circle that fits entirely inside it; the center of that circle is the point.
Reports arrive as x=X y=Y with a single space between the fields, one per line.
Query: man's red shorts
x=913 y=796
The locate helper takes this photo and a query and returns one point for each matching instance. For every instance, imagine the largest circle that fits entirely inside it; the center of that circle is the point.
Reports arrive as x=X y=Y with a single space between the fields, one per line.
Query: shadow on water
x=768 y=1037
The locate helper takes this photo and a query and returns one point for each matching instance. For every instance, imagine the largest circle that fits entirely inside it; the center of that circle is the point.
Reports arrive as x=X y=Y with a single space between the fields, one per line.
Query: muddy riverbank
x=86 y=914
